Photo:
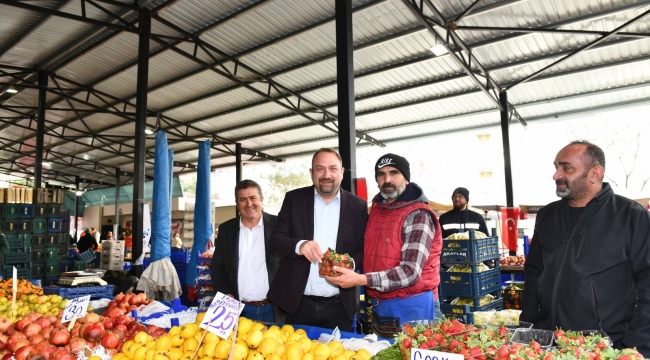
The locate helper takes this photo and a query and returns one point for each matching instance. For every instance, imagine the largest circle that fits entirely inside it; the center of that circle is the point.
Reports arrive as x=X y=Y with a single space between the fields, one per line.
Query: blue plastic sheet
x=202 y=211
x=161 y=215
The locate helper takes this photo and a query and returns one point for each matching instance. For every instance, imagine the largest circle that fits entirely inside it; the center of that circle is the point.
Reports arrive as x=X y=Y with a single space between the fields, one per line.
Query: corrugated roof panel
x=310 y=132
x=310 y=147
x=265 y=127
x=14 y=22
x=193 y=15
x=189 y=88
x=214 y=104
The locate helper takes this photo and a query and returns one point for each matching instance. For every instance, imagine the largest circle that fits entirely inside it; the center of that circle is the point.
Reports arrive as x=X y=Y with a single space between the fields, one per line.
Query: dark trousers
x=322 y=312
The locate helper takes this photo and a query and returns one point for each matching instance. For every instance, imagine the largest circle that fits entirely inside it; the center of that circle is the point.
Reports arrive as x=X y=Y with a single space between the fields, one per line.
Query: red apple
x=60 y=337
x=47 y=350
x=77 y=344
x=36 y=339
x=32 y=329
x=115 y=312
x=93 y=332
x=4 y=324
x=21 y=324
x=14 y=339
x=21 y=354
x=19 y=344
x=110 y=340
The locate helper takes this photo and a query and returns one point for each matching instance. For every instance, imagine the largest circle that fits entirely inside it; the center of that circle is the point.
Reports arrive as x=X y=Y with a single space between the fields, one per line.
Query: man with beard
x=588 y=267
x=461 y=218
x=311 y=220
x=243 y=265
x=402 y=248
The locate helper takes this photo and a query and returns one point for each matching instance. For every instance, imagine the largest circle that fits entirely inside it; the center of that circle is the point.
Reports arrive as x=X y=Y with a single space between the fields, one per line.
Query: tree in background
x=285 y=177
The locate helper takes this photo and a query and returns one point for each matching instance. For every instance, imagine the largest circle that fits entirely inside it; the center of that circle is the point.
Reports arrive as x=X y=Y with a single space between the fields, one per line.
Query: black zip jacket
x=452 y=221
x=594 y=277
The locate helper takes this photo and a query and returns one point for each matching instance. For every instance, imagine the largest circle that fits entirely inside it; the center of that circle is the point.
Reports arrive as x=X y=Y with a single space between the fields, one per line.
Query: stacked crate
x=112 y=257
x=472 y=285
x=17 y=227
x=180 y=259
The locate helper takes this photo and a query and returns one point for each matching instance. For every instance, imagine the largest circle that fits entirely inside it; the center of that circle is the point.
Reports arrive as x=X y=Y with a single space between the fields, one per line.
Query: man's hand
x=311 y=251
x=347 y=279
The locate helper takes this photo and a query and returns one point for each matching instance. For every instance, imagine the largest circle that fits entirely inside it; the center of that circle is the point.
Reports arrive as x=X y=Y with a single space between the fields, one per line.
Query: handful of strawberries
x=330 y=259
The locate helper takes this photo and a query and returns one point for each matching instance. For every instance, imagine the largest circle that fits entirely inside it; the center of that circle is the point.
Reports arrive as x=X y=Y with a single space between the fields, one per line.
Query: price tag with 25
x=222 y=315
x=75 y=308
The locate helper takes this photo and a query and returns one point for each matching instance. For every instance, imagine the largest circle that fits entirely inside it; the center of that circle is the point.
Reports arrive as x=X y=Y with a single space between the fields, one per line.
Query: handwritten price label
x=75 y=308
x=421 y=354
x=222 y=315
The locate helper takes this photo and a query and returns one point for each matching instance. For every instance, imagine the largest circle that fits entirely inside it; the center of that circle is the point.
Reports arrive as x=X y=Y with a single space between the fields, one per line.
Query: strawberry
x=424 y=346
x=407 y=343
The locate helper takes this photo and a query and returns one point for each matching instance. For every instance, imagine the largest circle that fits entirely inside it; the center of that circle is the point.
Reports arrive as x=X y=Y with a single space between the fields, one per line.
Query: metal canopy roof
x=263 y=73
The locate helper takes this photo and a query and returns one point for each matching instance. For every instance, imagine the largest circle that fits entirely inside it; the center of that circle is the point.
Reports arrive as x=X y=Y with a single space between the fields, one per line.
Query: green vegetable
x=390 y=353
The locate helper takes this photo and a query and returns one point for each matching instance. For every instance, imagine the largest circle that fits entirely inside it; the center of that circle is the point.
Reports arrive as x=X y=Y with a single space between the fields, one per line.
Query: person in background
x=176 y=241
x=243 y=265
x=109 y=235
x=87 y=241
x=460 y=218
x=589 y=261
x=96 y=234
x=4 y=245
x=402 y=248
x=311 y=220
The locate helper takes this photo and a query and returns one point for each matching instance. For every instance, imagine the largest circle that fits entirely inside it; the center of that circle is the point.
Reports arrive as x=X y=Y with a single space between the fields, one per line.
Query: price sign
x=75 y=308
x=222 y=315
x=421 y=354
x=15 y=280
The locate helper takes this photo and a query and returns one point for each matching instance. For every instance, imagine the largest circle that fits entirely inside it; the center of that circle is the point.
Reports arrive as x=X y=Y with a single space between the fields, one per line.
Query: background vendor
x=460 y=218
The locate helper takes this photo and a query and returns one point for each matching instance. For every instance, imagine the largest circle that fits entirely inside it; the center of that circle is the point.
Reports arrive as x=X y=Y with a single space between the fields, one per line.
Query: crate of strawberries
x=331 y=259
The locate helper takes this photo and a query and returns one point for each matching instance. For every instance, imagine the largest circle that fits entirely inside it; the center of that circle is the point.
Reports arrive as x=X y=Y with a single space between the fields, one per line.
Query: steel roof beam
x=552 y=31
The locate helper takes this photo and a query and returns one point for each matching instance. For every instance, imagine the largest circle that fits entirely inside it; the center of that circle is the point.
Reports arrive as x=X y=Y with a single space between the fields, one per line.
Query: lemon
x=267 y=347
x=258 y=326
x=348 y=354
x=294 y=352
x=305 y=343
x=323 y=351
x=222 y=350
x=336 y=347
x=241 y=352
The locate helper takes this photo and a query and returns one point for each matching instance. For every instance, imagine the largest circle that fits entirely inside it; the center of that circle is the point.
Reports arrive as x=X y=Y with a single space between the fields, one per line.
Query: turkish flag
x=509 y=234
x=362 y=188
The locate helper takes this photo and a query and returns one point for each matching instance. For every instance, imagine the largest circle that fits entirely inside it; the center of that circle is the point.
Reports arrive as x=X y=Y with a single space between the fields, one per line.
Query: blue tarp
x=202 y=210
x=161 y=214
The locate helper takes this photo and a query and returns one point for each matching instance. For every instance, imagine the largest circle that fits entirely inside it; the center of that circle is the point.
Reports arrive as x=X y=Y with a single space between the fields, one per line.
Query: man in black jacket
x=589 y=263
x=461 y=219
x=243 y=265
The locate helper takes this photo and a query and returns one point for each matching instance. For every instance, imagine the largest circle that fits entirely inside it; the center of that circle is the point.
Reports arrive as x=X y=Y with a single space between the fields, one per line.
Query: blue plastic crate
x=40 y=225
x=180 y=257
x=95 y=292
x=40 y=211
x=469 y=251
x=461 y=311
x=26 y=211
x=54 y=224
x=145 y=263
x=54 y=210
x=470 y=284
x=87 y=256
x=15 y=257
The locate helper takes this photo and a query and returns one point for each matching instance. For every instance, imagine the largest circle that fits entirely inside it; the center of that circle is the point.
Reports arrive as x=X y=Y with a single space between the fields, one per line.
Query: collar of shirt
x=317 y=196
x=260 y=223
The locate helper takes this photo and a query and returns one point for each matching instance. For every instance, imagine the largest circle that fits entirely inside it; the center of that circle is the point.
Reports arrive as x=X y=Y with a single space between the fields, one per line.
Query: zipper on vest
x=583 y=233
x=593 y=288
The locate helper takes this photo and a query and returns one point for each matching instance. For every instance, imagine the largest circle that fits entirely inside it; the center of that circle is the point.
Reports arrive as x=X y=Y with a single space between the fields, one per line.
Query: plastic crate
x=52 y=270
x=49 y=281
x=40 y=225
x=40 y=211
x=180 y=257
x=52 y=239
x=64 y=238
x=14 y=257
x=87 y=256
x=38 y=255
x=63 y=249
x=2 y=211
x=51 y=254
x=65 y=266
x=64 y=257
x=75 y=292
x=79 y=265
x=38 y=270
x=21 y=273
x=469 y=251
x=26 y=211
x=54 y=225
x=19 y=241
x=470 y=284
x=54 y=210
x=38 y=241
x=460 y=311
x=12 y=211
x=145 y=263
x=25 y=225
x=525 y=336
x=10 y=226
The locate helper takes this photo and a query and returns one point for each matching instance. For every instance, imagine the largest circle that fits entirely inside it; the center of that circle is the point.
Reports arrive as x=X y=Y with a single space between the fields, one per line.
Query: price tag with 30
x=222 y=315
x=75 y=308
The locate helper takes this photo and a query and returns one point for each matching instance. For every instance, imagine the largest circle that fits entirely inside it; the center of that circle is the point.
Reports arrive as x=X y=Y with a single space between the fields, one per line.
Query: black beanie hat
x=395 y=161
x=463 y=191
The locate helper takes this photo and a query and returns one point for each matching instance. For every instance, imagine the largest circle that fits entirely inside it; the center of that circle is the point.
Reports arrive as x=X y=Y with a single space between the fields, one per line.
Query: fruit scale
x=82 y=278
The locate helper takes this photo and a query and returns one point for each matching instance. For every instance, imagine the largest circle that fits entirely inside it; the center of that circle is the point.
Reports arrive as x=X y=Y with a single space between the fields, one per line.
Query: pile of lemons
x=253 y=341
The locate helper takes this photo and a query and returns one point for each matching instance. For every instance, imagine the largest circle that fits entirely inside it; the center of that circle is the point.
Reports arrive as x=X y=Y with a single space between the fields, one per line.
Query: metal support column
x=40 y=127
x=238 y=170
x=345 y=93
x=505 y=136
x=76 y=209
x=116 y=223
x=144 y=29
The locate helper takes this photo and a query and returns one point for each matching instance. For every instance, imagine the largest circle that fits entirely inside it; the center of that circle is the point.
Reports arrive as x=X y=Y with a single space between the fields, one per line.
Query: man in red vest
x=402 y=248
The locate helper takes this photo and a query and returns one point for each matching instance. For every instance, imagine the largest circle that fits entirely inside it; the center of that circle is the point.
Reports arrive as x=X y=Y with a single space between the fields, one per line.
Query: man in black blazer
x=311 y=220
x=243 y=265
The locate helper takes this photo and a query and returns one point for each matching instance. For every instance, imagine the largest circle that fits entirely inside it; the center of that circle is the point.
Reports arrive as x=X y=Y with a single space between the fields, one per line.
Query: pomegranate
x=19 y=344
x=43 y=322
x=91 y=318
x=60 y=337
x=133 y=300
x=61 y=354
x=14 y=339
x=32 y=329
x=36 y=339
x=21 y=354
x=121 y=327
x=52 y=318
x=4 y=324
x=112 y=304
x=47 y=350
x=32 y=316
x=77 y=344
x=35 y=356
x=119 y=333
x=47 y=332
x=142 y=297
x=108 y=324
x=2 y=345
x=119 y=297
x=110 y=340
x=93 y=332
x=21 y=324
